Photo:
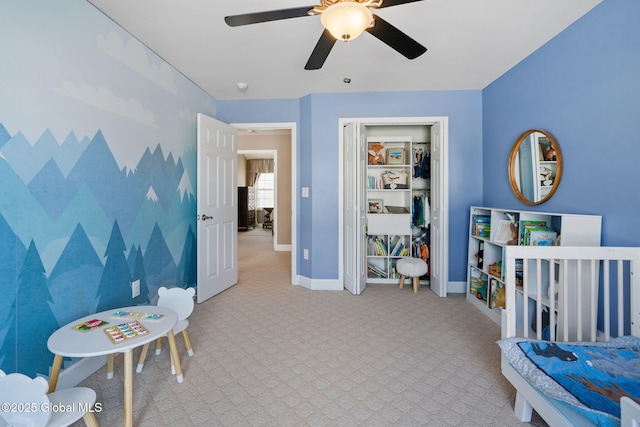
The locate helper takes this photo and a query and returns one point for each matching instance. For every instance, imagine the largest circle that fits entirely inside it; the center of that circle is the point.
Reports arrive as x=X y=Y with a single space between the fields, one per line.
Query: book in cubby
x=397 y=246
x=376 y=246
x=526 y=226
x=481 y=225
x=377 y=268
x=478 y=284
x=496 y=293
x=542 y=236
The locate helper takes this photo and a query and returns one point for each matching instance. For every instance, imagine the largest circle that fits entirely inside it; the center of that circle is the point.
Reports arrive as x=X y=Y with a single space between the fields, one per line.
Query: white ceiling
x=470 y=43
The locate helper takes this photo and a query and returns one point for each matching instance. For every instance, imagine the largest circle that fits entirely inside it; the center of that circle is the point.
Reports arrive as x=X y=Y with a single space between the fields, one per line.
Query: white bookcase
x=392 y=189
x=489 y=232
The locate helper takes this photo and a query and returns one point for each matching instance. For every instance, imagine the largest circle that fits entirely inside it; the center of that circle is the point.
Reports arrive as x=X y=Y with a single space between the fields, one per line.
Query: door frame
x=444 y=186
x=291 y=126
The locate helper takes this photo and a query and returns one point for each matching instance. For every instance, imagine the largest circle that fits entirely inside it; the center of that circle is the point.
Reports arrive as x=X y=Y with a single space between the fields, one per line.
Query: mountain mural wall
x=76 y=230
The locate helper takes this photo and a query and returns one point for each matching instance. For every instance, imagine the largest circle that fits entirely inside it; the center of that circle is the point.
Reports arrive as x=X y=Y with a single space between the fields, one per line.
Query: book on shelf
x=374 y=269
x=494 y=290
x=394 y=273
x=482 y=230
x=374 y=183
x=481 y=225
x=542 y=237
x=481 y=218
x=397 y=246
x=376 y=246
x=523 y=227
x=539 y=236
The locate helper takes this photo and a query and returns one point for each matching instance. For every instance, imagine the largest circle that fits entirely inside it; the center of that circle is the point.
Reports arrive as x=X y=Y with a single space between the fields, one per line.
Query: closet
x=398 y=208
x=391 y=173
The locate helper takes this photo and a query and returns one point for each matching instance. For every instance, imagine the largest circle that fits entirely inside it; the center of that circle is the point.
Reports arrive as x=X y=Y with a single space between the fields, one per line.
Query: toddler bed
x=571 y=334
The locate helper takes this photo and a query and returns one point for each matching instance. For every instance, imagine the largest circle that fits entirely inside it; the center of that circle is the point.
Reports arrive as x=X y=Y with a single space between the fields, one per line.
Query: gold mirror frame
x=538 y=159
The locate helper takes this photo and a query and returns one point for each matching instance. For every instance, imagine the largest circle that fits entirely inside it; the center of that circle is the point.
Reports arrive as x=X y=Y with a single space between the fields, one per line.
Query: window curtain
x=256 y=167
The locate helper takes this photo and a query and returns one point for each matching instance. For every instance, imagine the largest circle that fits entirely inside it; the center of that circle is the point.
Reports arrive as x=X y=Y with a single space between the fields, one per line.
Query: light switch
x=135 y=288
x=305 y=191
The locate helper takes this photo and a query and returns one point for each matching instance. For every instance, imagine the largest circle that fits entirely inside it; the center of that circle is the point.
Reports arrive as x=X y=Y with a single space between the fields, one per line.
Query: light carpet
x=271 y=354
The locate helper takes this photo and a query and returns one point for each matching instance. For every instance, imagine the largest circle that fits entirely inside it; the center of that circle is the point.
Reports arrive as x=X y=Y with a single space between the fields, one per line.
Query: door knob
x=206 y=217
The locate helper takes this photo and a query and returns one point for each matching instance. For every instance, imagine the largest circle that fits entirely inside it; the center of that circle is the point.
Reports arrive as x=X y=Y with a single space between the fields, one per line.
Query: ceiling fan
x=336 y=17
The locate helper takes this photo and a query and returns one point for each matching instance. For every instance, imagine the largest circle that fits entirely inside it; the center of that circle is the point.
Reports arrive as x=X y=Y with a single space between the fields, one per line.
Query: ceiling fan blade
x=271 y=15
x=321 y=51
x=395 y=38
x=387 y=3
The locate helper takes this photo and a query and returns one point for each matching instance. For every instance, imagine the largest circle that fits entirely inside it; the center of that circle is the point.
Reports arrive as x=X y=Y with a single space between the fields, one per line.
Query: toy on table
x=137 y=315
x=125 y=331
x=90 y=325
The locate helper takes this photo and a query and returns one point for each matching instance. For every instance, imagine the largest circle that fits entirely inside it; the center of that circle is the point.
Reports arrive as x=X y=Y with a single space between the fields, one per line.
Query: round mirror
x=535 y=167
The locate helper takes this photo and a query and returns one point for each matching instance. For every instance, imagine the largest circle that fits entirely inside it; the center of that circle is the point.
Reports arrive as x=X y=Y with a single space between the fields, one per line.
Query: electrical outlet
x=135 y=288
x=305 y=253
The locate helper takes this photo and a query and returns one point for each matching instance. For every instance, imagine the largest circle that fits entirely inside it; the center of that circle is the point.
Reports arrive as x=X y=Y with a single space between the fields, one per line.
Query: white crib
x=567 y=282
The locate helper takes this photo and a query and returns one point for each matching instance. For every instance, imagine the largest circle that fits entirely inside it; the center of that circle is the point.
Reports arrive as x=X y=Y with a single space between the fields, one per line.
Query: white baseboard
x=283 y=248
x=79 y=370
x=335 y=285
x=320 y=284
x=457 y=287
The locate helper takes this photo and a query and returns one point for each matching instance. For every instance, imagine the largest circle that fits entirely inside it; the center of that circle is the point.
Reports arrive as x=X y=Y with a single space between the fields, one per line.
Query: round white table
x=68 y=341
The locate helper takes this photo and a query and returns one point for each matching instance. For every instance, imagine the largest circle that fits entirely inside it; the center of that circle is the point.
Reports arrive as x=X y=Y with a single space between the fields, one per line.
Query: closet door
x=439 y=205
x=354 y=220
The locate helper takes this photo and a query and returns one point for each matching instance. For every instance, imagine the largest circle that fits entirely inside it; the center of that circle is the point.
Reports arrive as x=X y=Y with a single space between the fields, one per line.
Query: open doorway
x=257 y=181
x=276 y=142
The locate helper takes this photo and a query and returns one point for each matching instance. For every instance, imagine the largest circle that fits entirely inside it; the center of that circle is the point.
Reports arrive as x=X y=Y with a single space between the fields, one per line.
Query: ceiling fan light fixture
x=346 y=20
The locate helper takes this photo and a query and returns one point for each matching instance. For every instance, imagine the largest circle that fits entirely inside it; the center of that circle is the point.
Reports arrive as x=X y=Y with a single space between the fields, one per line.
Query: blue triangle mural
x=80 y=212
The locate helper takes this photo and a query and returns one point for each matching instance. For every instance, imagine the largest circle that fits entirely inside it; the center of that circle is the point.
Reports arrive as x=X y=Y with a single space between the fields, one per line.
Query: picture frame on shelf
x=396 y=156
x=376 y=206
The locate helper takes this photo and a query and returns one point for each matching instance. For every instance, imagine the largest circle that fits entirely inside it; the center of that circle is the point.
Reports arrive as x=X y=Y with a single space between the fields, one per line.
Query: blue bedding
x=590 y=377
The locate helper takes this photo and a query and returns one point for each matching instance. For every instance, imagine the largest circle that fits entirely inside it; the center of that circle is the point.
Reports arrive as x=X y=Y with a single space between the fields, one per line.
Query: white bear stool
x=411 y=267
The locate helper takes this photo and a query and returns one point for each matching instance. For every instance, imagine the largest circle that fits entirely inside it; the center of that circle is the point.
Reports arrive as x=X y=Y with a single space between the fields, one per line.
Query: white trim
x=294 y=185
x=80 y=370
x=321 y=284
x=456 y=287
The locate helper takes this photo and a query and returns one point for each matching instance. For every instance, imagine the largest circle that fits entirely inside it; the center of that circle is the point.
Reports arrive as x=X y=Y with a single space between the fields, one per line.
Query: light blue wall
x=583 y=86
x=97 y=173
x=318 y=152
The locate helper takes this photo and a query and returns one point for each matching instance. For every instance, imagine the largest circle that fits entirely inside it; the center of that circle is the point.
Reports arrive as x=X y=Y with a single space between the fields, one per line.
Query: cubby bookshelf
x=490 y=231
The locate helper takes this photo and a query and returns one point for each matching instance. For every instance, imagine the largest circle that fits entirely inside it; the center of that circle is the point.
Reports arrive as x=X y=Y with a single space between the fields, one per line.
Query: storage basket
x=395 y=179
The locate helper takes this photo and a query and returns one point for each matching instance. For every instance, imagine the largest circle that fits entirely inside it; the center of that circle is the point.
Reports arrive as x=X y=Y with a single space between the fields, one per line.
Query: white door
x=354 y=202
x=217 y=207
x=439 y=276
